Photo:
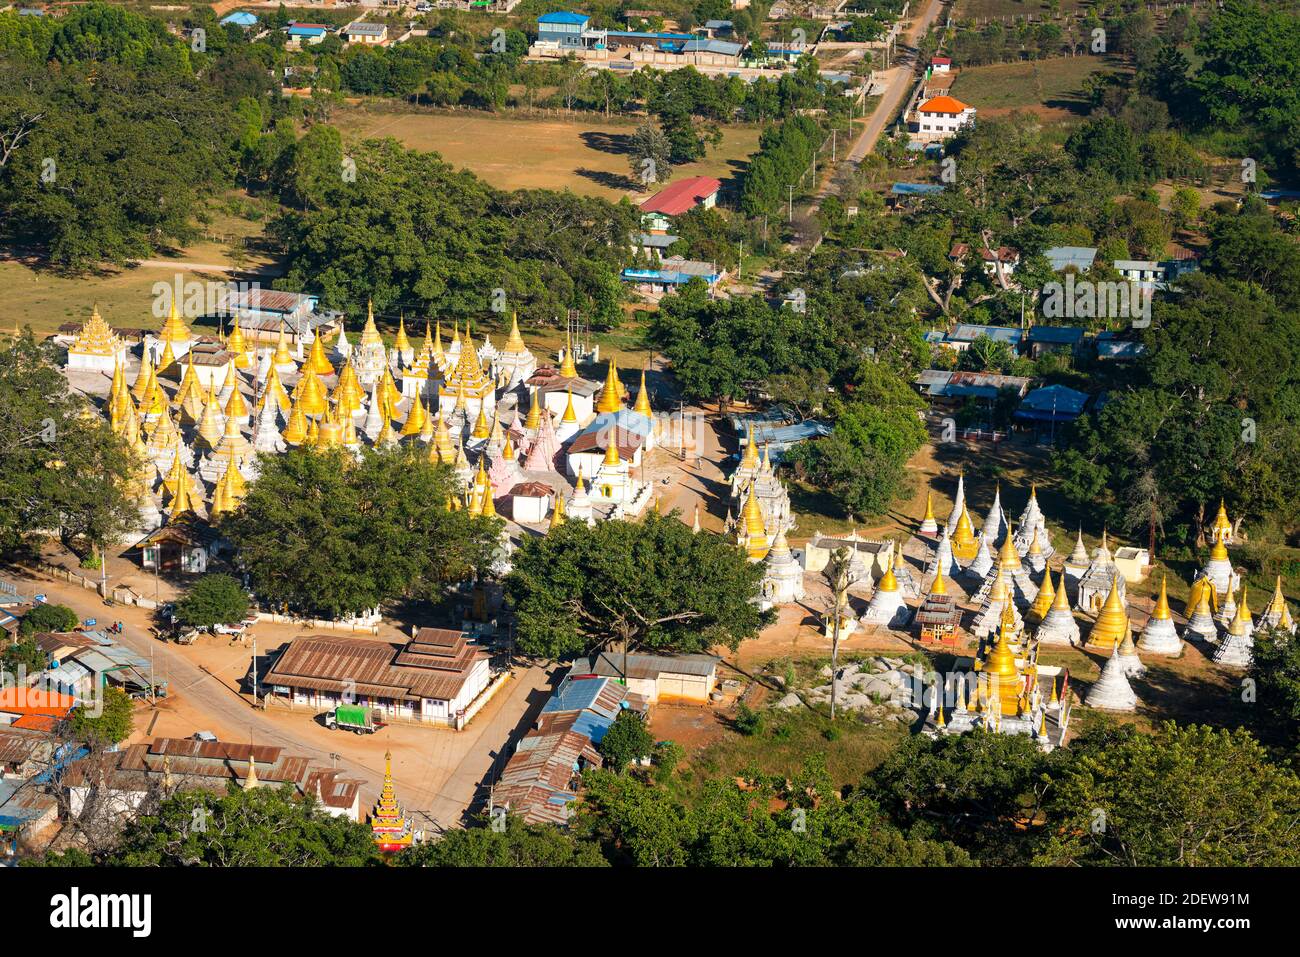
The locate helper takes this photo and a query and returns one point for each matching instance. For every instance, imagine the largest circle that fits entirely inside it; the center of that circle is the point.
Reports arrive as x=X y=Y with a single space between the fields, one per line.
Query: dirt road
x=436 y=771
x=901 y=78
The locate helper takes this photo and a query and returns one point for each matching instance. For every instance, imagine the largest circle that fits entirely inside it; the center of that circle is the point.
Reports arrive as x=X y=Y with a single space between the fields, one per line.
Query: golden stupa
x=1112 y=622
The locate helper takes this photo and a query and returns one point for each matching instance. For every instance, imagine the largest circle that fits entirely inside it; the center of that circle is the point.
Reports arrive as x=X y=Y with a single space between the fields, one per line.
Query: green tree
x=61 y=470
x=649 y=153
x=48 y=617
x=262 y=827
x=518 y=845
x=111 y=726
x=212 y=600
x=651 y=583
x=324 y=534
x=626 y=740
x=1189 y=796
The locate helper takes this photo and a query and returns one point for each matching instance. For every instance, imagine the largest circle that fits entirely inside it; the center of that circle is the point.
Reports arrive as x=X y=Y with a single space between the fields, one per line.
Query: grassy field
x=1051 y=88
x=512 y=152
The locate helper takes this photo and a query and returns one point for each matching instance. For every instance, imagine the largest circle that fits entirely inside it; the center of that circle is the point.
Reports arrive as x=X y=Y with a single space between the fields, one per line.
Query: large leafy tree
x=1182 y=797
x=212 y=600
x=518 y=845
x=264 y=827
x=652 y=584
x=322 y=533
x=61 y=468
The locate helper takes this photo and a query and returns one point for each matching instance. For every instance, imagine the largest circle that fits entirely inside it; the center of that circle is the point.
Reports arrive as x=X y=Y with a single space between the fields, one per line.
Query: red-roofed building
x=678 y=198
x=939 y=118
x=940 y=64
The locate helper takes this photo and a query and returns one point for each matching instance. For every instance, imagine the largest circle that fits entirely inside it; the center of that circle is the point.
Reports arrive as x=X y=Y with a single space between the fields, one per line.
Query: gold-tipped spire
x=611 y=398
x=568 y=367
x=1161 y=612
x=557 y=512
x=1112 y=623
x=534 y=420
x=642 y=406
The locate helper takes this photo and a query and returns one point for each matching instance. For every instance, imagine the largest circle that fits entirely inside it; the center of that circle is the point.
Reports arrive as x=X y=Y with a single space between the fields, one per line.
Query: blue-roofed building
x=954 y=387
x=540 y=781
x=240 y=18
x=1118 y=350
x=562 y=29
x=1080 y=258
x=673 y=272
x=1052 y=403
x=911 y=194
x=306 y=33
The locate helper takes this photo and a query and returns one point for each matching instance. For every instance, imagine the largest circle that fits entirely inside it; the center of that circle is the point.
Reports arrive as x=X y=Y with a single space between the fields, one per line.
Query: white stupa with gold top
x=1200 y=612
x=755 y=474
x=514 y=363
x=886 y=606
x=958 y=503
x=1237 y=645
x=174 y=333
x=369 y=357
x=1160 y=637
x=782 y=575
x=1100 y=577
x=1218 y=568
x=996 y=601
x=97 y=347
x=1112 y=691
x=1058 y=626
x=1077 y=562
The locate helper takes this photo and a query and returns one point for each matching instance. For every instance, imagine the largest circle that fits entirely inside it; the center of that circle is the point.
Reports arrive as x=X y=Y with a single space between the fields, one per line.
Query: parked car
x=236 y=629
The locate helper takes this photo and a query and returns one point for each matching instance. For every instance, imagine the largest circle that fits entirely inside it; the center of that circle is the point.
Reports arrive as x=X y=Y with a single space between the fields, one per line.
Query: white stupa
x=886 y=606
x=982 y=563
x=1237 y=647
x=958 y=504
x=942 y=559
x=993 y=522
x=1112 y=692
x=1219 y=568
x=1160 y=637
x=782 y=575
x=1059 y=626
x=1200 y=622
x=1128 y=656
x=1076 y=565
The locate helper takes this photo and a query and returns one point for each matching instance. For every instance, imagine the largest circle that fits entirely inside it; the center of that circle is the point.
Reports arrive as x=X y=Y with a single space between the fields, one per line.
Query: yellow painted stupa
x=569 y=415
x=756 y=542
x=401 y=342
x=174 y=330
x=415 y=419
x=534 y=420
x=568 y=368
x=1112 y=623
x=295 y=429
x=237 y=344
x=312 y=399
x=144 y=378
x=611 y=397
x=211 y=424
x=275 y=388
x=1002 y=677
x=964 y=543
x=1043 y=602
x=557 y=513
x=1008 y=557
x=316 y=361
x=642 y=406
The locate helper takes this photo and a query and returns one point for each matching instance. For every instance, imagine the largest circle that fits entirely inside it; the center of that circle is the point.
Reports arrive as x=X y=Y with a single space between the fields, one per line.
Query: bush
x=748 y=721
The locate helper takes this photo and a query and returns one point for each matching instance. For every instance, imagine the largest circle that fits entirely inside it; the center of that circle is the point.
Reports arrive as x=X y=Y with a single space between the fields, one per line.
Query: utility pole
x=254 y=672
x=791 y=189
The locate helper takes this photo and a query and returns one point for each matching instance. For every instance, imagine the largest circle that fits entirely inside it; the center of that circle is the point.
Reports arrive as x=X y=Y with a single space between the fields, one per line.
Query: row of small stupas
x=514 y=432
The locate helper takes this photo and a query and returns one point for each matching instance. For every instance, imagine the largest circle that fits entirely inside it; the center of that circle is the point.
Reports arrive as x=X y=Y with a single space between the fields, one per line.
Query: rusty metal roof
x=378 y=668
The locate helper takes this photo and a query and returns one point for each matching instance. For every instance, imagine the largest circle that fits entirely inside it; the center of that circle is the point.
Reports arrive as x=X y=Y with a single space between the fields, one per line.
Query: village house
x=940 y=118
x=681 y=197
x=431 y=679
x=369 y=34
x=675 y=678
x=125 y=778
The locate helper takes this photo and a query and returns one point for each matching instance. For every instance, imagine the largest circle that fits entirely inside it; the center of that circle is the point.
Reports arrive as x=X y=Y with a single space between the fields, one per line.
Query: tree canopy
x=652 y=584
x=323 y=534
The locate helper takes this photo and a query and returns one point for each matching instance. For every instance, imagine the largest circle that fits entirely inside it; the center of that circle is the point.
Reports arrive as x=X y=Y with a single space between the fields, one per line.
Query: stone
x=791 y=700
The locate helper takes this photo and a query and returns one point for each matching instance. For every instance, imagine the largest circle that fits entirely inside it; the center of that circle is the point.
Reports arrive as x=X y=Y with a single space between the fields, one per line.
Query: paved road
x=902 y=78
x=444 y=796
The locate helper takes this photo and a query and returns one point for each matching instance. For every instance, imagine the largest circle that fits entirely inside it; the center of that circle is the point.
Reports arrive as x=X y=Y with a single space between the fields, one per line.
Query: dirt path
x=436 y=771
x=901 y=78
